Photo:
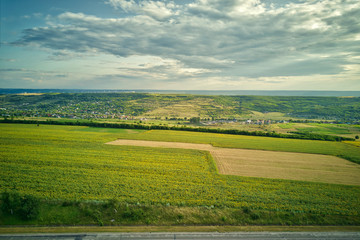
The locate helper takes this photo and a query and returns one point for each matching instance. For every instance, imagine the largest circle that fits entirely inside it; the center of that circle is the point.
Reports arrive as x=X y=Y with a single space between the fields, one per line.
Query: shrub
x=26 y=207
x=29 y=207
x=246 y=210
x=11 y=202
x=255 y=216
x=133 y=214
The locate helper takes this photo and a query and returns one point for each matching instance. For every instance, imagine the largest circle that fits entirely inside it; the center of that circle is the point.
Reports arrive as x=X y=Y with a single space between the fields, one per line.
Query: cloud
x=11 y=69
x=7 y=60
x=213 y=38
x=30 y=73
x=158 y=10
x=231 y=9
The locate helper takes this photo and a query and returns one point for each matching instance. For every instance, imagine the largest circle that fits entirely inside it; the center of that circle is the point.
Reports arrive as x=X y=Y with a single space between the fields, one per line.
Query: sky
x=180 y=44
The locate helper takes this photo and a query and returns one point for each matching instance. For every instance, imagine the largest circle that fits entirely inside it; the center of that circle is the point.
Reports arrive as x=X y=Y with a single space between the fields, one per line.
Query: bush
x=26 y=207
x=133 y=214
x=11 y=202
x=29 y=207
x=255 y=216
x=246 y=210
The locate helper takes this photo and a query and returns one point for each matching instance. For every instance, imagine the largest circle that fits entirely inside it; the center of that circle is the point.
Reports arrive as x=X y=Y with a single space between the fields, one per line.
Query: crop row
x=70 y=163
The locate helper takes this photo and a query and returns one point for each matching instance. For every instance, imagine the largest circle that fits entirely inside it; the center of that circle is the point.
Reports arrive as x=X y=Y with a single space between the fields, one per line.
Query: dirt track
x=269 y=164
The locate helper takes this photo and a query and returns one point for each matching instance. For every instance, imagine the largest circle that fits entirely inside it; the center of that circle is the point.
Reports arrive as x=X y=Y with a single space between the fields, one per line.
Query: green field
x=72 y=163
x=251 y=142
x=322 y=128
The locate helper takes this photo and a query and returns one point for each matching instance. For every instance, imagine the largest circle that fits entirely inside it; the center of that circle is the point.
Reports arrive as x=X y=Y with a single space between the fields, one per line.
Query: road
x=189 y=236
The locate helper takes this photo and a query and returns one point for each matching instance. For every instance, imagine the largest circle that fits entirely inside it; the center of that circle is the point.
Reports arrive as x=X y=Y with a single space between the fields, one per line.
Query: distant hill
x=150 y=105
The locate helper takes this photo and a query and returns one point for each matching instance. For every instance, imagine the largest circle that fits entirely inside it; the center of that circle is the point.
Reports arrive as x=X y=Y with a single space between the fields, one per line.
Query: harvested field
x=144 y=143
x=270 y=164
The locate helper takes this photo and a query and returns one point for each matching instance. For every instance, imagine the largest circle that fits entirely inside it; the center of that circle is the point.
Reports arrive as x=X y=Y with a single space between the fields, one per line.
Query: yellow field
x=270 y=164
x=199 y=107
x=355 y=143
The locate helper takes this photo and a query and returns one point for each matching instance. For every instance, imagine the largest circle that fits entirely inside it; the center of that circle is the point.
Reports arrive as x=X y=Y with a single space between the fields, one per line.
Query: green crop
x=73 y=163
x=349 y=152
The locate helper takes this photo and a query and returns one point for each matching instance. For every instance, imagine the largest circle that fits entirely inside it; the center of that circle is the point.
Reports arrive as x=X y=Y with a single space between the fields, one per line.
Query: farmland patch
x=269 y=164
x=67 y=163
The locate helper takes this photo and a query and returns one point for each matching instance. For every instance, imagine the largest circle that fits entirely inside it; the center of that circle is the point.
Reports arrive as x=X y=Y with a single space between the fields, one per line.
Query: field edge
x=149 y=228
x=225 y=161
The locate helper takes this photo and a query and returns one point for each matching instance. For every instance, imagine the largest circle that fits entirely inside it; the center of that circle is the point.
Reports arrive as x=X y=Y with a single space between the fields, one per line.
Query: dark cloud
x=11 y=70
x=61 y=75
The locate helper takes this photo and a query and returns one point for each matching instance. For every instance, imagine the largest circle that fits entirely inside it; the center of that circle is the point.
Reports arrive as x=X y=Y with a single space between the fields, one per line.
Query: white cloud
x=158 y=10
x=240 y=43
x=123 y=4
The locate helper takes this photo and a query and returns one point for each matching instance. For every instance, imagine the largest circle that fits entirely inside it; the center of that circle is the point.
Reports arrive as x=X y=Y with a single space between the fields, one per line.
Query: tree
x=195 y=120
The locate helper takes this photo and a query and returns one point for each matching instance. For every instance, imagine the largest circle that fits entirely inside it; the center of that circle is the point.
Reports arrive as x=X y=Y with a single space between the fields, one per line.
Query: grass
x=342 y=130
x=113 y=213
x=339 y=149
x=190 y=108
x=72 y=163
x=268 y=115
x=96 y=229
x=326 y=129
x=357 y=144
x=269 y=164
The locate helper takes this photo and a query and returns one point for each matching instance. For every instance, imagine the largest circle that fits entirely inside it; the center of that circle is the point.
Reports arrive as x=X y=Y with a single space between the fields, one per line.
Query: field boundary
x=149 y=228
x=303 y=136
x=268 y=164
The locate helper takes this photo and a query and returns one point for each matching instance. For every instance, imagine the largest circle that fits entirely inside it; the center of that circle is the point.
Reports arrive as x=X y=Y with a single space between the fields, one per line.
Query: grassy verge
x=82 y=229
x=113 y=213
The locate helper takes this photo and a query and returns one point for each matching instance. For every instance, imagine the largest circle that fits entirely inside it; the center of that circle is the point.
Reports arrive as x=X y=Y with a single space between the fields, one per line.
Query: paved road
x=189 y=236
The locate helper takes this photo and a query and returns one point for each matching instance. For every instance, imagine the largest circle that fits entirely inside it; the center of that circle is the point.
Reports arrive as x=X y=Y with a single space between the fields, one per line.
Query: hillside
x=183 y=106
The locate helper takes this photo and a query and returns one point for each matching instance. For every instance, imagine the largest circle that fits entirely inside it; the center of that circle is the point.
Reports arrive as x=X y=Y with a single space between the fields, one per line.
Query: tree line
x=295 y=135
